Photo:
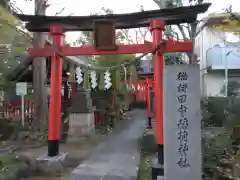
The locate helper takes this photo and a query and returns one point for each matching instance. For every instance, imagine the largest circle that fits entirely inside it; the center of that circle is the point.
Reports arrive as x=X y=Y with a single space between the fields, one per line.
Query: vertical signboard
x=182 y=123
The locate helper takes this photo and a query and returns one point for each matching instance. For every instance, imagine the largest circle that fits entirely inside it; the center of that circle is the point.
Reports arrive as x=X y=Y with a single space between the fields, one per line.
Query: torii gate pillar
x=148 y=99
x=156 y=29
x=57 y=34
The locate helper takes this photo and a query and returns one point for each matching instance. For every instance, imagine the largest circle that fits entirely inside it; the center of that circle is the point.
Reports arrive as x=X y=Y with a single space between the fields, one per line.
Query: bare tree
x=130 y=36
x=187 y=31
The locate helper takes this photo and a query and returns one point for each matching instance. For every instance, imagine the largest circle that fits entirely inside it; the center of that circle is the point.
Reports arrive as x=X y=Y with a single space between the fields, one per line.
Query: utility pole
x=40 y=76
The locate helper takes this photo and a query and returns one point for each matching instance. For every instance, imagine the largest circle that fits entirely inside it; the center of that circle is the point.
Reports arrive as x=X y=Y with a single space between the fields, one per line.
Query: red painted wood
x=157 y=28
x=171 y=46
x=56 y=86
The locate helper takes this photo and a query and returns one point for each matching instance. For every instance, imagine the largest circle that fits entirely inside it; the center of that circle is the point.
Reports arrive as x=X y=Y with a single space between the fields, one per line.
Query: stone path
x=118 y=157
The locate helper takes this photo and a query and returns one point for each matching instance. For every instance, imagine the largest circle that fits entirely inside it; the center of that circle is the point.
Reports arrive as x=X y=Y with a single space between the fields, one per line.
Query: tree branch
x=143 y=34
x=189 y=30
x=161 y=3
x=125 y=32
x=181 y=29
x=60 y=12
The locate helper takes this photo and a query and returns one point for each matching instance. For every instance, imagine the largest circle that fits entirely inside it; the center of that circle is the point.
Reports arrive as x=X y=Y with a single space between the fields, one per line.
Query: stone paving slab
x=118 y=157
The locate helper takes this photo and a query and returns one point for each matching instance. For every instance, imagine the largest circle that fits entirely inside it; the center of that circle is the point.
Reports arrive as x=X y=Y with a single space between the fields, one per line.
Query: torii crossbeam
x=59 y=25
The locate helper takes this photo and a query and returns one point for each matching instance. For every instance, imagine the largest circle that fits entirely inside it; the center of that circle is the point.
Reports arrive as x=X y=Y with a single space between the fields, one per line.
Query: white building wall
x=206 y=39
x=214 y=83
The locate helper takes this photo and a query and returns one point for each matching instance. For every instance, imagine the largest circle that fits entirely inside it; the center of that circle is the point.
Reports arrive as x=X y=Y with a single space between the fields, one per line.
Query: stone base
x=51 y=164
x=157 y=169
x=81 y=125
x=149 y=141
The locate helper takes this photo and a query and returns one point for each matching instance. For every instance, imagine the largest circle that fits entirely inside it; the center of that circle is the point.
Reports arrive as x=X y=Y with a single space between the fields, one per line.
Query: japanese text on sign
x=182 y=124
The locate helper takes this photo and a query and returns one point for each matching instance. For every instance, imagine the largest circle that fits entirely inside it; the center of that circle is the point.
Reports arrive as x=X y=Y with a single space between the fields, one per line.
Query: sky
x=85 y=7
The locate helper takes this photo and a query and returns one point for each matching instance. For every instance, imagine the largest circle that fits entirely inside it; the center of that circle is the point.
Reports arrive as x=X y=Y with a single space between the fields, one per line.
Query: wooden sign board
x=182 y=123
x=104 y=35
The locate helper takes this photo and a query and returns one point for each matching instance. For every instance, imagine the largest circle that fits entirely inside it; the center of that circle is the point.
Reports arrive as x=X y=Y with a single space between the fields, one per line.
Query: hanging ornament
x=101 y=84
x=93 y=79
x=86 y=84
x=79 y=75
x=107 y=79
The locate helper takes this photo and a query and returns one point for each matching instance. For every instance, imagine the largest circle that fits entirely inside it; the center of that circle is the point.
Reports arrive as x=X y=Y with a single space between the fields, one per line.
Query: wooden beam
x=171 y=46
x=178 y=15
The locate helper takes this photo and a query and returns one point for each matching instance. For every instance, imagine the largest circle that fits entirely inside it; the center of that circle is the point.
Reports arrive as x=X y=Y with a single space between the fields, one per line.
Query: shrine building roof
x=24 y=71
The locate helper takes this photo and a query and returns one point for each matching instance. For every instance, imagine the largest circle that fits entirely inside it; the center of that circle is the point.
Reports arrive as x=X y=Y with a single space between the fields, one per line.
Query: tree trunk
x=39 y=77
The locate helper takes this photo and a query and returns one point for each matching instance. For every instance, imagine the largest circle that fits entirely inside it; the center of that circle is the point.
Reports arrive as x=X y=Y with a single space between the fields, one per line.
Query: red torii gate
x=156 y=27
x=57 y=34
x=149 y=84
x=172 y=16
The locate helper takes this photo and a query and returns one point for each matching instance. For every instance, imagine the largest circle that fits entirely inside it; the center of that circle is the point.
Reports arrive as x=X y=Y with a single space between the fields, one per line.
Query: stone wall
x=81 y=120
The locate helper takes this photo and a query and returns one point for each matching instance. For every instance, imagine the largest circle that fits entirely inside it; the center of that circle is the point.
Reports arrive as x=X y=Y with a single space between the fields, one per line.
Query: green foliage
x=12 y=44
x=7 y=34
x=4 y=3
x=148 y=149
x=173 y=58
x=232 y=89
x=101 y=85
x=133 y=74
x=6 y=162
x=116 y=78
x=145 y=167
x=219 y=147
x=214 y=150
x=113 y=60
